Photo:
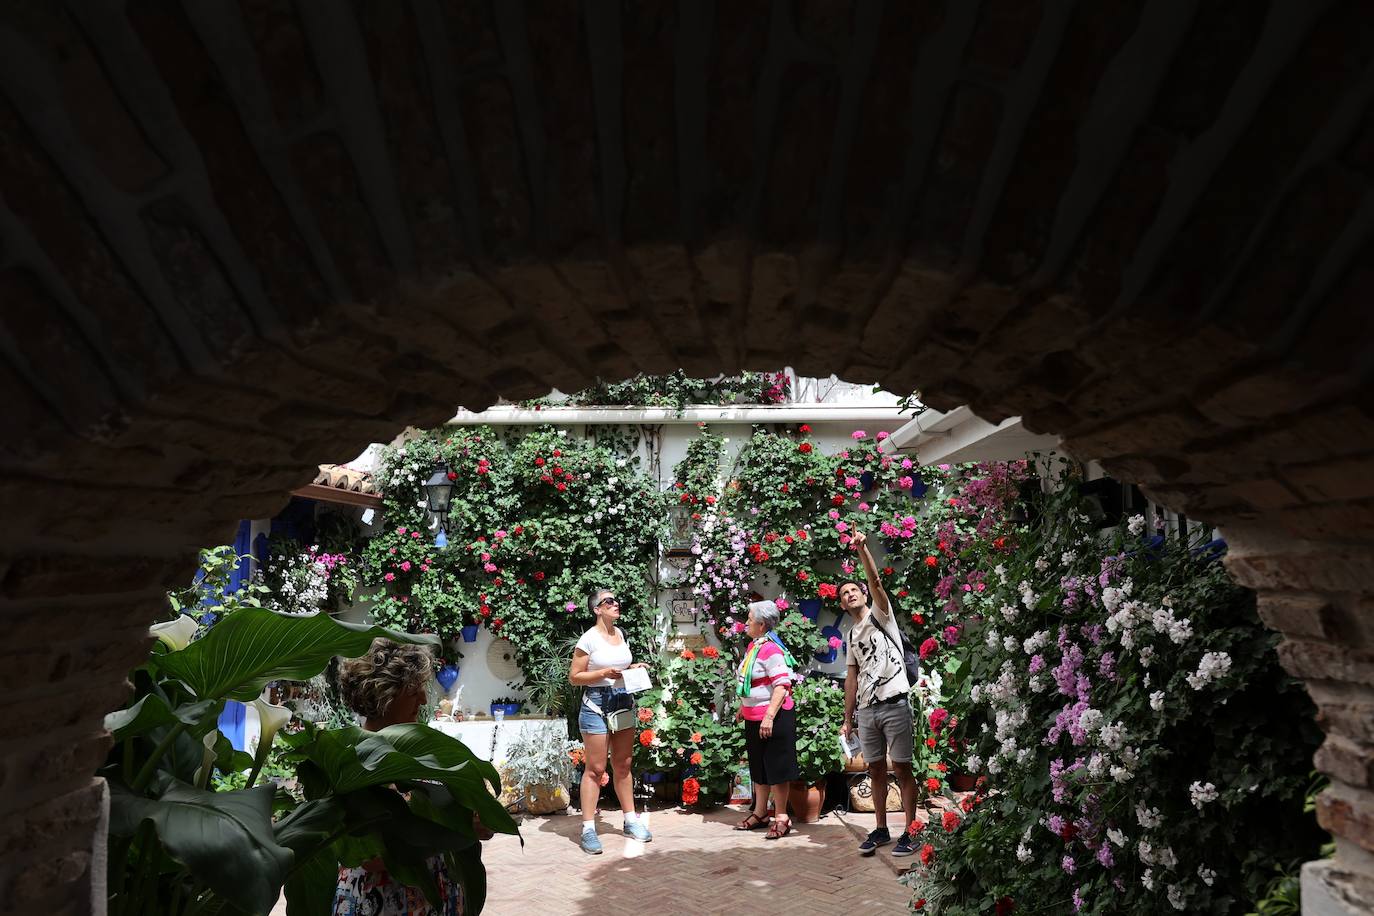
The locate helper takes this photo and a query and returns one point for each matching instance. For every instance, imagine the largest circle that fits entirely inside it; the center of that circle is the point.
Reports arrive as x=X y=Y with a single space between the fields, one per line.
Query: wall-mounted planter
x=447 y=676
x=810 y=608
x=470 y=633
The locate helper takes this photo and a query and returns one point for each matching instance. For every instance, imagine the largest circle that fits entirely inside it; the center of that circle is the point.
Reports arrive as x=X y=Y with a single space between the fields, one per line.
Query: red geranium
x=646 y=737
x=950 y=821
x=645 y=714
x=927 y=647
x=919 y=904
x=688 y=655
x=539 y=462
x=932 y=561
x=710 y=652
x=804 y=448
x=804 y=428
x=827 y=590
x=933 y=784
x=927 y=854
x=691 y=791
x=938 y=717
x=696 y=758
x=837 y=499
x=1004 y=906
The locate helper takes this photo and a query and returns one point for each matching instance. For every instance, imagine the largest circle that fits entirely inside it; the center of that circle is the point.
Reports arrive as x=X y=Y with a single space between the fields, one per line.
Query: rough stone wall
x=237 y=240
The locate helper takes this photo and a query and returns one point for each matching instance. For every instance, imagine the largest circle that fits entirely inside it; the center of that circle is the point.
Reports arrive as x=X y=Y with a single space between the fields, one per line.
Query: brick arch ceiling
x=237 y=240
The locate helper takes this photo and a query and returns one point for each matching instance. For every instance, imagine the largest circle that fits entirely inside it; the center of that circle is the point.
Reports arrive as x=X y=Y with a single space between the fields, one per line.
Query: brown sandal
x=775 y=834
x=758 y=822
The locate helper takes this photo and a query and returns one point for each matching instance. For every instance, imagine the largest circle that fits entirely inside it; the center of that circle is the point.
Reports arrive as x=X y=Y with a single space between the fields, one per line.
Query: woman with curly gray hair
x=387 y=686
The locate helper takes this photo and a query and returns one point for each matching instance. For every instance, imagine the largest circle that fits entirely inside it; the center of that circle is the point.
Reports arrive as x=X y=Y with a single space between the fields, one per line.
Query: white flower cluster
x=1206 y=874
x=1034 y=644
x=1028 y=596
x=1149 y=818
x=1136 y=524
x=1212 y=667
x=1178 y=896
x=1178 y=630
x=1202 y=793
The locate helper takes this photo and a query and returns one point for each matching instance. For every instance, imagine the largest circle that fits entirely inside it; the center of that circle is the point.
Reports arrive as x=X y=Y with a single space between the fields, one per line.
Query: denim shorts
x=591 y=723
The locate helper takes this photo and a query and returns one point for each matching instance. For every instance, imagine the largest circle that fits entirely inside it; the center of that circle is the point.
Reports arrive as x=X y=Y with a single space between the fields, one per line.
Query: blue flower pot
x=866 y=481
x=470 y=633
x=653 y=778
x=810 y=608
x=918 y=488
x=447 y=676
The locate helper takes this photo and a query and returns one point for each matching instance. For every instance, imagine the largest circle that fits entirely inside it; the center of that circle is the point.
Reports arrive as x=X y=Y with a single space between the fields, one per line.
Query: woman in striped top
x=770 y=725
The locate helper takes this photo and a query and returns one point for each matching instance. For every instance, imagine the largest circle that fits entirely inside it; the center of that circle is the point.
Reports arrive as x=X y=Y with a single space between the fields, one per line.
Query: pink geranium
x=859 y=434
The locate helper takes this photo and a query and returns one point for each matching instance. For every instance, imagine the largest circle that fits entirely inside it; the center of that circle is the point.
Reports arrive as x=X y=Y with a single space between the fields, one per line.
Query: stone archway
x=237 y=240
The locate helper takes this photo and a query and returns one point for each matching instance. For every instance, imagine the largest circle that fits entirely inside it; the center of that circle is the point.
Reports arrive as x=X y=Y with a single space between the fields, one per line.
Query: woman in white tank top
x=601 y=655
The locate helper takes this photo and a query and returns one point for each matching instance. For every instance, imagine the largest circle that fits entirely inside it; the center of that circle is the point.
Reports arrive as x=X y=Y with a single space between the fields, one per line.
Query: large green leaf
x=225 y=838
x=153 y=712
x=307 y=831
x=254 y=646
x=351 y=759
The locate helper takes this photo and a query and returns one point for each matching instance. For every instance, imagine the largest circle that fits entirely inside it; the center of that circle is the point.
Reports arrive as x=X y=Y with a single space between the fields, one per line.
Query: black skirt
x=773 y=760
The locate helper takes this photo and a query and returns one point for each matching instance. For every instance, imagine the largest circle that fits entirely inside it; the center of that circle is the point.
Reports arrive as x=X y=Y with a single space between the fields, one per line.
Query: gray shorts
x=885 y=732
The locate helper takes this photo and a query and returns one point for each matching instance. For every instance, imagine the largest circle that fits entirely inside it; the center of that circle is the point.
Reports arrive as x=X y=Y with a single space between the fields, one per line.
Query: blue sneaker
x=590 y=844
x=906 y=845
x=876 y=838
x=638 y=831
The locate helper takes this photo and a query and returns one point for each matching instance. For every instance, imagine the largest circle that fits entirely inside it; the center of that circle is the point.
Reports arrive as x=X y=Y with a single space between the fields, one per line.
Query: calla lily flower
x=207 y=758
x=271 y=718
x=175 y=634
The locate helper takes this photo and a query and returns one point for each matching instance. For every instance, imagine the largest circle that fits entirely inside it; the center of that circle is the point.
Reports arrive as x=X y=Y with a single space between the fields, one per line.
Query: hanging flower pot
x=447 y=676
x=653 y=778
x=866 y=481
x=918 y=488
x=810 y=608
x=470 y=633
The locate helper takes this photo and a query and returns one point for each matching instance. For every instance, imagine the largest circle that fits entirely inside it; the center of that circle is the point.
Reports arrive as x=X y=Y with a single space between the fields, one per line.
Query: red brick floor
x=695 y=864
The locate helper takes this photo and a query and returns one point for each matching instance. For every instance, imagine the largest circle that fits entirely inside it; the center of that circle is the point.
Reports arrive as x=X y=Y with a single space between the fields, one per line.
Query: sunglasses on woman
x=608 y=601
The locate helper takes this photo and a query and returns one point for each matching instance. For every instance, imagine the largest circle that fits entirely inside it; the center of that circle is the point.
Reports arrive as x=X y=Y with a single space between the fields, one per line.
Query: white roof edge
x=783 y=413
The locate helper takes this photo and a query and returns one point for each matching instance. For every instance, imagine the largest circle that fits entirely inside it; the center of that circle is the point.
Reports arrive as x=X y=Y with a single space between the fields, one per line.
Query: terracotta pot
x=805 y=801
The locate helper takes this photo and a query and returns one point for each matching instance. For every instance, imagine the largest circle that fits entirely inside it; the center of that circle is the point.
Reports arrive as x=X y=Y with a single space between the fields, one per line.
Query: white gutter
x=961 y=436
x=783 y=413
x=930 y=424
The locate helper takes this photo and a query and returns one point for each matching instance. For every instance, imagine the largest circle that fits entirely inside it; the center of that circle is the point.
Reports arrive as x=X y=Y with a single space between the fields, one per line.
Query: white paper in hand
x=636 y=679
x=850 y=746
